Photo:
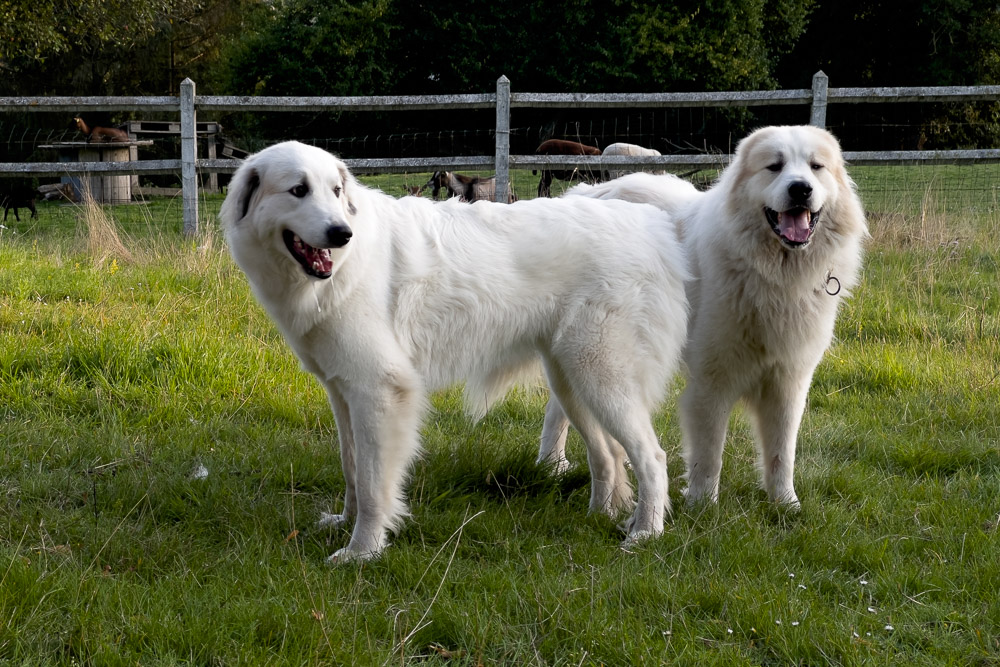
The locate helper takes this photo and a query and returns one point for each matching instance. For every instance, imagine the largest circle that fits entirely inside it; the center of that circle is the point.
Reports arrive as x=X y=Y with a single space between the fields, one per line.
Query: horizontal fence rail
x=188 y=103
x=379 y=103
x=659 y=100
x=90 y=103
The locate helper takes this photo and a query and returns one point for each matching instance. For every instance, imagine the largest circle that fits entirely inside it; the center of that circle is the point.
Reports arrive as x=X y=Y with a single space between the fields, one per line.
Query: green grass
x=119 y=378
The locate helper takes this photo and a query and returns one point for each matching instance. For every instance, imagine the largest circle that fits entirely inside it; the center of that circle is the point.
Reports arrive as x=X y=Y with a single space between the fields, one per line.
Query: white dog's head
x=293 y=200
x=792 y=177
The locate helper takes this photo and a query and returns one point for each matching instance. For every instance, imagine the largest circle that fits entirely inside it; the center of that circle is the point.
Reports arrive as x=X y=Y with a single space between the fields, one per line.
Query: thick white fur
x=427 y=294
x=762 y=312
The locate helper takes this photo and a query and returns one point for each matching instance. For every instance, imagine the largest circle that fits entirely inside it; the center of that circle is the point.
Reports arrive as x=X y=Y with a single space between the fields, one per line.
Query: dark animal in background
x=466 y=188
x=100 y=134
x=565 y=147
x=18 y=197
x=62 y=191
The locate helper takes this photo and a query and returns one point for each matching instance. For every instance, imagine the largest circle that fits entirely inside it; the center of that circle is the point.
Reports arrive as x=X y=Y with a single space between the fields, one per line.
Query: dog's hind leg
x=631 y=425
x=555 y=428
x=610 y=491
x=595 y=382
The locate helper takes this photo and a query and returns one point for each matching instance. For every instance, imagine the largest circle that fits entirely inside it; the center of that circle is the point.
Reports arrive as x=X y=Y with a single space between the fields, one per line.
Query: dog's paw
x=346 y=555
x=790 y=505
x=785 y=498
x=559 y=466
x=693 y=497
x=636 y=538
x=331 y=521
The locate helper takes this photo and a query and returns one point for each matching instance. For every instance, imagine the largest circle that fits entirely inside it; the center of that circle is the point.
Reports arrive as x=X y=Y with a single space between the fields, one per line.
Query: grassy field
x=164 y=460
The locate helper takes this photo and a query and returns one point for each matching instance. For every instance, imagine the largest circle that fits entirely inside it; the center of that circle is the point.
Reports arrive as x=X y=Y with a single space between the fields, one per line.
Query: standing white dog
x=773 y=247
x=384 y=299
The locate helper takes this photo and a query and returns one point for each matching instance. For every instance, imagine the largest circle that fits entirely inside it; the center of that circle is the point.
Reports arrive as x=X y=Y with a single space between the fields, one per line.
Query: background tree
x=900 y=43
x=336 y=47
x=921 y=43
x=317 y=47
x=127 y=47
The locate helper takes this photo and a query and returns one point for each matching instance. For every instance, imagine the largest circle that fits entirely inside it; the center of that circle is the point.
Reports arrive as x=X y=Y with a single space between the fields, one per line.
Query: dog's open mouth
x=794 y=227
x=316 y=261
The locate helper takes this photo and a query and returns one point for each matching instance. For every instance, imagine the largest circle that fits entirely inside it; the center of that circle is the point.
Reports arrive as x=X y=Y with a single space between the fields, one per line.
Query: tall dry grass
x=104 y=241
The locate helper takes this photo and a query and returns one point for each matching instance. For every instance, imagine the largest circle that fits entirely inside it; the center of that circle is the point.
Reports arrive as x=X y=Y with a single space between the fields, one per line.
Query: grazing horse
x=466 y=188
x=564 y=147
x=625 y=149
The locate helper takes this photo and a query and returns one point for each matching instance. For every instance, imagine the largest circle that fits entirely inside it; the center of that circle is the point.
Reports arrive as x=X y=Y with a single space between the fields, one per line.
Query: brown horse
x=564 y=147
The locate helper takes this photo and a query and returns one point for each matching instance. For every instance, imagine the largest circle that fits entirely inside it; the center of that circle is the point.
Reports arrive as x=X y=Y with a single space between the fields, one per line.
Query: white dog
x=384 y=299
x=773 y=247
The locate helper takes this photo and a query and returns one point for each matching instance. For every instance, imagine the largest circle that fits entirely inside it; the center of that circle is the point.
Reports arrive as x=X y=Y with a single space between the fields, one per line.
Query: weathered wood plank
x=646 y=100
x=372 y=103
x=64 y=168
x=84 y=104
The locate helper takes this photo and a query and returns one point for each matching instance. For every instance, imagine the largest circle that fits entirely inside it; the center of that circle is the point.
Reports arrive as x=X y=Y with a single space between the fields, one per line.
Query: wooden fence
x=188 y=104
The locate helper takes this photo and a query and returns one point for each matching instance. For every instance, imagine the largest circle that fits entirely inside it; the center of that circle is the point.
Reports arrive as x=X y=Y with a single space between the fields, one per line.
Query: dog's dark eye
x=337 y=190
x=816 y=166
x=300 y=190
x=776 y=166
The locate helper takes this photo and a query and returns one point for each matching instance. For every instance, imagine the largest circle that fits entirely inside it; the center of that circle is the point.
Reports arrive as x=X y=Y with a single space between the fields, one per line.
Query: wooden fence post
x=189 y=156
x=503 y=140
x=821 y=82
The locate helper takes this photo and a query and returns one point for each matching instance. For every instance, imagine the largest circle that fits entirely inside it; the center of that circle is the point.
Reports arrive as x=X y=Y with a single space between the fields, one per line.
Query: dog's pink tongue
x=319 y=259
x=794 y=226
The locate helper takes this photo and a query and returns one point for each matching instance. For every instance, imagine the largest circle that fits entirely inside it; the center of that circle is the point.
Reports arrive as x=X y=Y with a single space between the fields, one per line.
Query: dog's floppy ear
x=742 y=167
x=250 y=185
x=347 y=179
x=245 y=184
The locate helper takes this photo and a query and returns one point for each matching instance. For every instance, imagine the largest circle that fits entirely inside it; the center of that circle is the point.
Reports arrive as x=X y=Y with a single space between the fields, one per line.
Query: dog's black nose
x=799 y=191
x=338 y=235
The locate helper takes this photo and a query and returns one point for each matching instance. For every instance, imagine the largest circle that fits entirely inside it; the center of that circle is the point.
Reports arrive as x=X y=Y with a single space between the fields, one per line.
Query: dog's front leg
x=385 y=422
x=704 y=418
x=776 y=411
x=345 y=435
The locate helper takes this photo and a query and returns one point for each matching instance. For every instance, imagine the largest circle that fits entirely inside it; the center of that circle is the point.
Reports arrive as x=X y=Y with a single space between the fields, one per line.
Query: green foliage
x=717 y=45
x=309 y=47
x=132 y=47
x=37 y=30
x=924 y=43
x=317 y=48
x=451 y=46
